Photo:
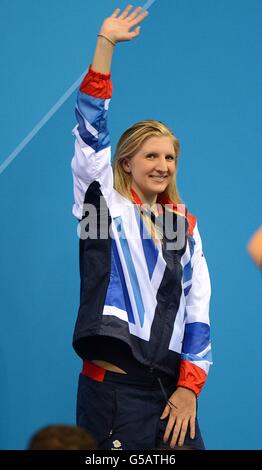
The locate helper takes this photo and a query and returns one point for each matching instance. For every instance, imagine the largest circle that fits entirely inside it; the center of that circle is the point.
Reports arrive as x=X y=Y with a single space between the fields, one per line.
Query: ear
x=126 y=165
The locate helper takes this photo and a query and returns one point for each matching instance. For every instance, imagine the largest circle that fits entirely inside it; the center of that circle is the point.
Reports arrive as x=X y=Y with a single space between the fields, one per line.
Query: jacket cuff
x=97 y=84
x=191 y=376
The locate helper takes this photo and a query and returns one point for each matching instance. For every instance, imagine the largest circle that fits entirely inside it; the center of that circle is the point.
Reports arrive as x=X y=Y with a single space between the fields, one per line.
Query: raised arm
x=92 y=158
x=116 y=29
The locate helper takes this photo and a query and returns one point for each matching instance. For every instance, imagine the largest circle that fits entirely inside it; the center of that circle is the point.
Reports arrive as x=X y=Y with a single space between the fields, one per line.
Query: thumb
x=136 y=31
x=165 y=412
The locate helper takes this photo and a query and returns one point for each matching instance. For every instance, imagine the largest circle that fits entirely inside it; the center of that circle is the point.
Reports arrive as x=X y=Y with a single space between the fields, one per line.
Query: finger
x=138 y=19
x=183 y=433
x=135 y=32
x=125 y=12
x=192 y=427
x=114 y=15
x=176 y=432
x=169 y=427
x=165 y=412
x=135 y=12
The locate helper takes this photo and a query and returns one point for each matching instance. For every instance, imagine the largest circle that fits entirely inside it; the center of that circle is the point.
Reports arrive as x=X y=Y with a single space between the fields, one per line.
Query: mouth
x=160 y=179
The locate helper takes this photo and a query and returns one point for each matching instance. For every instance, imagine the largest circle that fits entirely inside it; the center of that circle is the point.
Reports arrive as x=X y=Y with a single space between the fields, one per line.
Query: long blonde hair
x=128 y=145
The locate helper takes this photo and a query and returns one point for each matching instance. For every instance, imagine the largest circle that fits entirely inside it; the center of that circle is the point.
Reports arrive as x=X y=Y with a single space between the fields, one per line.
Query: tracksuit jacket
x=154 y=299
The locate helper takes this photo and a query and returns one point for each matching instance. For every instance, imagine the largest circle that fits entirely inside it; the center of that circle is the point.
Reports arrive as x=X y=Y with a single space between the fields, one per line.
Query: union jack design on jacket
x=153 y=299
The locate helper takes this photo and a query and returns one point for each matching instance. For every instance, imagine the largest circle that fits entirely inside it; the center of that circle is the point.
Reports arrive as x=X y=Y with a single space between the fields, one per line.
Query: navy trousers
x=123 y=414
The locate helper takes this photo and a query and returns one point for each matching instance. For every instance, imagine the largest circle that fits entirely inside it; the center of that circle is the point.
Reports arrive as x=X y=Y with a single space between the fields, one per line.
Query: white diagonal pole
x=51 y=112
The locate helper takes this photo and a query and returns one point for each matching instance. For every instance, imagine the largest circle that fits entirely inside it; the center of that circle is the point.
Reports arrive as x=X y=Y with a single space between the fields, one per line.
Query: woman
x=143 y=327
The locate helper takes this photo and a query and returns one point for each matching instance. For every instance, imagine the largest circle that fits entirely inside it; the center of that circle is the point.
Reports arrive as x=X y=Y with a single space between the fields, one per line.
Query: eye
x=170 y=157
x=151 y=156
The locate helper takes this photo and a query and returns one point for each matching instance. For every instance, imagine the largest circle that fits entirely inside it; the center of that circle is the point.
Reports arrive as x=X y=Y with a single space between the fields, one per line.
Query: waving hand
x=117 y=26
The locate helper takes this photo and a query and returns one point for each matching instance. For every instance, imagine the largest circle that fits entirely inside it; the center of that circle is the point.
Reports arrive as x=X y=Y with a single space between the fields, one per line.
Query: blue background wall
x=197 y=66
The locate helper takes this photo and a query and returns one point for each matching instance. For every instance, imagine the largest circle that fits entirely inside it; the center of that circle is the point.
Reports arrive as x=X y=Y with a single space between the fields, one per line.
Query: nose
x=161 y=165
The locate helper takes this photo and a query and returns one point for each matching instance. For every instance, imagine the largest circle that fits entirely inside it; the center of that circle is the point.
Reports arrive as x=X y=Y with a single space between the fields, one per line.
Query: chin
x=160 y=189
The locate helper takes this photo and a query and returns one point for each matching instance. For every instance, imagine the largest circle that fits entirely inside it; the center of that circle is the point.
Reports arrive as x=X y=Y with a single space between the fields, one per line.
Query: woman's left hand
x=117 y=26
x=182 y=414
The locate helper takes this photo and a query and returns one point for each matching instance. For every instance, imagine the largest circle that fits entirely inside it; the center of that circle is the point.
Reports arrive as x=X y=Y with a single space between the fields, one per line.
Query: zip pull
x=168 y=402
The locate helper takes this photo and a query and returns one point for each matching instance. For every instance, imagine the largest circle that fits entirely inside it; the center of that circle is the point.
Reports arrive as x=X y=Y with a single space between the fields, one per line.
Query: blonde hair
x=128 y=145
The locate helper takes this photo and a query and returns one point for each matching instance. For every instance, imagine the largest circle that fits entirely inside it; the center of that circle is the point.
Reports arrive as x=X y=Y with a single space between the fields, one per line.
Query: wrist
x=107 y=37
x=103 y=55
x=182 y=387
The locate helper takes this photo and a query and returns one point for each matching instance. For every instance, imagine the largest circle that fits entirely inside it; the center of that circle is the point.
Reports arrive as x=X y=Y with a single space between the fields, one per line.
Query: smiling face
x=152 y=168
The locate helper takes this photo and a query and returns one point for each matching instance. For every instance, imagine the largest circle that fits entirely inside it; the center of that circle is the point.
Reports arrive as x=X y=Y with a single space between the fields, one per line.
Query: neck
x=145 y=199
x=139 y=198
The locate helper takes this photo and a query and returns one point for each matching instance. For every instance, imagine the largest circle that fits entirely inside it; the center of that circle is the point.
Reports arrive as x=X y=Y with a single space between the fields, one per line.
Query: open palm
x=117 y=26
